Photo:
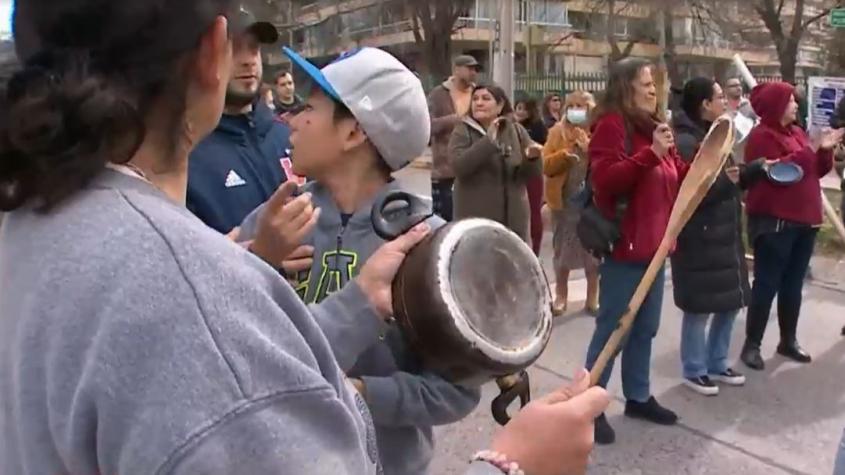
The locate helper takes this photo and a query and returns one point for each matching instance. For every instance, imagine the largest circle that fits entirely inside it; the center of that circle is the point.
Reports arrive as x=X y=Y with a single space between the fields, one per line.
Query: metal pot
x=472 y=298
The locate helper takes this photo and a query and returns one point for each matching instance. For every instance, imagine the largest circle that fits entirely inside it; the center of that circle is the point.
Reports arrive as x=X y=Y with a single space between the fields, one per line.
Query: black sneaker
x=702 y=385
x=794 y=352
x=751 y=357
x=729 y=377
x=604 y=434
x=651 y=411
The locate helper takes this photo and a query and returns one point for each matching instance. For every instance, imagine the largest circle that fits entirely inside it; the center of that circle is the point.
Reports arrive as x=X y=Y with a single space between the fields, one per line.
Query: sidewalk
x=787 y=420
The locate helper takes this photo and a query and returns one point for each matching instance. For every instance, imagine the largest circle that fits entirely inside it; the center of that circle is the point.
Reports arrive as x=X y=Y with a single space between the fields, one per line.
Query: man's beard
x=239 y=98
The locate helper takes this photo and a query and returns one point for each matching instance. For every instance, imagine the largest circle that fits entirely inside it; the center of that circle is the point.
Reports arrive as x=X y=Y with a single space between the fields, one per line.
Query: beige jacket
x=489 y=181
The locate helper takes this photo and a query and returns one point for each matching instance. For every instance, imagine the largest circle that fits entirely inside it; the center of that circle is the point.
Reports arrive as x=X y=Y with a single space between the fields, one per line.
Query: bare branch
x=819 y=16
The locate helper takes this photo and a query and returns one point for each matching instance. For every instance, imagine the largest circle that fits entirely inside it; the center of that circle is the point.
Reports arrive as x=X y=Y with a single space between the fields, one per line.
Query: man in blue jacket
x=240 y=165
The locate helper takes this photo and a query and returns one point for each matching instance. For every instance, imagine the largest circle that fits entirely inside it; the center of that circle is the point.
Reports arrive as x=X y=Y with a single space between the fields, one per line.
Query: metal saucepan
x=471 y=298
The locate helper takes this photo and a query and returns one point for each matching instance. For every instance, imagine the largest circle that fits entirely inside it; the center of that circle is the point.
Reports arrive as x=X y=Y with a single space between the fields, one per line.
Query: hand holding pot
x=376 y=277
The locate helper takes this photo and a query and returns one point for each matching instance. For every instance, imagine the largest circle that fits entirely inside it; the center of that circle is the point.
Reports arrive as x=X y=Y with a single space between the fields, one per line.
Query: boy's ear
x=355 y=137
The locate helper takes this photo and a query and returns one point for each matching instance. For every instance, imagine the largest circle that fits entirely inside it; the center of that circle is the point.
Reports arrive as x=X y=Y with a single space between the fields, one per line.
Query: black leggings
x=780 y=266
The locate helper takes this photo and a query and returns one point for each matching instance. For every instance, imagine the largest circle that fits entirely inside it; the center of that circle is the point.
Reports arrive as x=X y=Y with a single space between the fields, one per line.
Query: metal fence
x=540 y=85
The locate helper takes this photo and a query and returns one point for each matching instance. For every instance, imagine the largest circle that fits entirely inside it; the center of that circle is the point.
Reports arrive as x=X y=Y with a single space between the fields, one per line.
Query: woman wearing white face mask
x=565 y=165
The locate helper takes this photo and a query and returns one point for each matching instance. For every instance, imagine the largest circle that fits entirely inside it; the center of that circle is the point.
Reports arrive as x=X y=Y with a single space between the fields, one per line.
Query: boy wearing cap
x=367 y=117
x=448 y=103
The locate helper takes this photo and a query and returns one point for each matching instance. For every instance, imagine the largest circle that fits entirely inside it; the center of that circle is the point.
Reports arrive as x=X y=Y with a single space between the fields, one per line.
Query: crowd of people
x=633 y=160
x=208 y=311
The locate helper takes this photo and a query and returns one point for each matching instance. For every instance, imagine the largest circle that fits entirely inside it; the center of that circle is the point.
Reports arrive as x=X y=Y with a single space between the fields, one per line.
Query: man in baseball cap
x=240 y=165
x=366 y=117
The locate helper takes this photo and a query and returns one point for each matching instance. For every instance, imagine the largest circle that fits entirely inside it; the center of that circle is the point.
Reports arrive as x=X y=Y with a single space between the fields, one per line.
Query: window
x=543 y=12
x=621 y=26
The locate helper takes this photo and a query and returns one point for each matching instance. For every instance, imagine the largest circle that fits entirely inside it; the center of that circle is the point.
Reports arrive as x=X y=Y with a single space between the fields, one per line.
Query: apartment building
x=553 y=36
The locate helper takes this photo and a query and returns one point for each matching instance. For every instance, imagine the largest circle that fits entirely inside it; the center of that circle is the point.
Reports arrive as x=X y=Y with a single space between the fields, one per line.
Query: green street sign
x=837 y=18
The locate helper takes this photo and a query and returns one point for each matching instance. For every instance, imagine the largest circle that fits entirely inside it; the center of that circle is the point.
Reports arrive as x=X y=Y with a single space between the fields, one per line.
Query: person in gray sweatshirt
x=349 y=146
x=133 y=338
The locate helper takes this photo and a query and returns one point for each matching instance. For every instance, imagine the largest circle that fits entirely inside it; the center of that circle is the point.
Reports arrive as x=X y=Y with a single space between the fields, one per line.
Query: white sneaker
x=729 y=377
x=702 y=385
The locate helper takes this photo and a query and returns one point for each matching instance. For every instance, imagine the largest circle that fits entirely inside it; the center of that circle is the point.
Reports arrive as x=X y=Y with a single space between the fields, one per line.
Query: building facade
x=556 y=36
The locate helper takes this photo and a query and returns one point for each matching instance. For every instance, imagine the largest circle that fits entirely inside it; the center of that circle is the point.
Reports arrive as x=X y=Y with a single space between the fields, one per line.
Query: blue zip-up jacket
x=237 y=167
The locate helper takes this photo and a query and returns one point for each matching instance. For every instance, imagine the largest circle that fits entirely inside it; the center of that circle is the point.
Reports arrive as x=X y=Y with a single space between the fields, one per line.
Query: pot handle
x=401 y=220
x=511 y=387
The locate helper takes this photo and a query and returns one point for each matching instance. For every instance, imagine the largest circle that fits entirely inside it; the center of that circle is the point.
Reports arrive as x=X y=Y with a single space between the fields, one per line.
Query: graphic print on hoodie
x=405 y=400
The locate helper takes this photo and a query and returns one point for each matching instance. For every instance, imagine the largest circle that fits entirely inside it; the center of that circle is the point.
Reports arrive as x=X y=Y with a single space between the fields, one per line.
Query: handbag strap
x=622 y=202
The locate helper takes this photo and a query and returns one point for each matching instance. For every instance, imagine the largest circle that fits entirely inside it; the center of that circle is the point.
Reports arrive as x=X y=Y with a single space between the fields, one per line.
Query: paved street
x=787 y=420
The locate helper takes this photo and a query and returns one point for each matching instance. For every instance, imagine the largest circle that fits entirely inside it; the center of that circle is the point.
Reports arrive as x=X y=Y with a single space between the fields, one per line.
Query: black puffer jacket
x=709 y=271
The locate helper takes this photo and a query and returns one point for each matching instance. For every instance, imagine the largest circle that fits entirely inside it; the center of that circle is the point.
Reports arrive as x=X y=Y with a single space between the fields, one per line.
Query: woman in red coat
x=782 y=219
x=632 y=158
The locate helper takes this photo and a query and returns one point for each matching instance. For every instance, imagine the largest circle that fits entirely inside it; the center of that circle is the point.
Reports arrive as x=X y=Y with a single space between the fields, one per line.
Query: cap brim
x=313 y=72
x=265 y=32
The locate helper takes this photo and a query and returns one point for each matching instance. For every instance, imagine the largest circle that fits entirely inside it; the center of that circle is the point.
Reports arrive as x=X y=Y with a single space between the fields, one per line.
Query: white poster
x=824 y=94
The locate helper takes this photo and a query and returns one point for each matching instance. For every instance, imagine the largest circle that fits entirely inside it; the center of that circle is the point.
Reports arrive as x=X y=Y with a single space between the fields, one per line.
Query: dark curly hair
x=91 y=70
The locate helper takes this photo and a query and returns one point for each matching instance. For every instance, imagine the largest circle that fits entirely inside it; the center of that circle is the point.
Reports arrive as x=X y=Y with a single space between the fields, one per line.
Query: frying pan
x=785 y=173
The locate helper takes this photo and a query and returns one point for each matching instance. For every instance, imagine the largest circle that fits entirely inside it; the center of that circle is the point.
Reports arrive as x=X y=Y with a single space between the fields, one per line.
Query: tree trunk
x=672 y=66
x=440 y=52
x=788 y=56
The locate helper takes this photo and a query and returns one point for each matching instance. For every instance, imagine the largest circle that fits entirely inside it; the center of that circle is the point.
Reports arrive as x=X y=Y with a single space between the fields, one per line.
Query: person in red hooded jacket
x=632 y=158
x=782 y=219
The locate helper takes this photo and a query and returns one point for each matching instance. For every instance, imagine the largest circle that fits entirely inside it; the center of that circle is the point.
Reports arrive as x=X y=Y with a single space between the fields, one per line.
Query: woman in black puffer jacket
x=709 y=271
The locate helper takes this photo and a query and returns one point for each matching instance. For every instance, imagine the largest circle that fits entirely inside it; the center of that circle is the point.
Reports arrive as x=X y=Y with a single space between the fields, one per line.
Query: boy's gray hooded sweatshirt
x=136 y=340
x=405 y=400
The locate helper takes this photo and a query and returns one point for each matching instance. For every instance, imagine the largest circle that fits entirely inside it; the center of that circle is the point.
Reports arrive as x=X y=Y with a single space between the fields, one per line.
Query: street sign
x=837 y=18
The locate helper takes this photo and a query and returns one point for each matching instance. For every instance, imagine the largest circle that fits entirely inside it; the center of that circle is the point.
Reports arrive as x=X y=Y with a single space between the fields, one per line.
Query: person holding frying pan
x=784 y=215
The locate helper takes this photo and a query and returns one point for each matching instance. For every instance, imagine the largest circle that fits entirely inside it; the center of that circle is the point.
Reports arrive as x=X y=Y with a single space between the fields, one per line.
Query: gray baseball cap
x=466 y=60
x=384 y=96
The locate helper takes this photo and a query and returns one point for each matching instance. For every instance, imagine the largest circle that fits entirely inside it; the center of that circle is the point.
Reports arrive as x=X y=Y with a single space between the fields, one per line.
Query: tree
x=786 y=27
x=610 y=11
x=434 y=22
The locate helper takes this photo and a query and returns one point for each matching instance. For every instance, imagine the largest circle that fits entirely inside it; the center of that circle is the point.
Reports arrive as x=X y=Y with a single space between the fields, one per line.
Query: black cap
x=466 y=60
x=265 y=32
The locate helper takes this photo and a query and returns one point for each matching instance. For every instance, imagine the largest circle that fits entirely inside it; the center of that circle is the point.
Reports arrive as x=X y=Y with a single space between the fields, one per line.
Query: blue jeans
x=618 y=280
x=839 y=468
x=701 y=354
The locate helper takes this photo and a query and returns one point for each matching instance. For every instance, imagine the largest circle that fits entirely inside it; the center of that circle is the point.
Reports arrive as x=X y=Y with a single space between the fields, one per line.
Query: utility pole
x=662 y=78
x=503 y=66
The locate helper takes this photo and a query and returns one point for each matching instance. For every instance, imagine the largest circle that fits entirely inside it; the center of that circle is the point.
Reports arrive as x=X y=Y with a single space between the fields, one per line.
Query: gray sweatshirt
x=135 y=340
x=406 y=401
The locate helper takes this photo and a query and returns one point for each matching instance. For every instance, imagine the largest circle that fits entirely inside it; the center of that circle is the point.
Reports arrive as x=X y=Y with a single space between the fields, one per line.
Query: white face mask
x=576 y=116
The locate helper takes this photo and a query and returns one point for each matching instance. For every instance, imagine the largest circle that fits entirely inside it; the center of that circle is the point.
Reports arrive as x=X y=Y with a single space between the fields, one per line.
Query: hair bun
x=65 y=122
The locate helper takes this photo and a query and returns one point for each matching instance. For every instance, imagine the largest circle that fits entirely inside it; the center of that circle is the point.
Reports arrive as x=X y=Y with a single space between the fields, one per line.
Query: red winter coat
x=799 y=202
x=649 y=182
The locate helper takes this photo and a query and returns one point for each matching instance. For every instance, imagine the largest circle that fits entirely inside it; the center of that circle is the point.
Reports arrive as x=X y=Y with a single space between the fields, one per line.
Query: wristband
x=499 y=461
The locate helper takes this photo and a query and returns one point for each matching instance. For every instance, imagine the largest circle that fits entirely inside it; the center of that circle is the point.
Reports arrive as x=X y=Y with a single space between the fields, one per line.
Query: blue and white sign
x=824 y=93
